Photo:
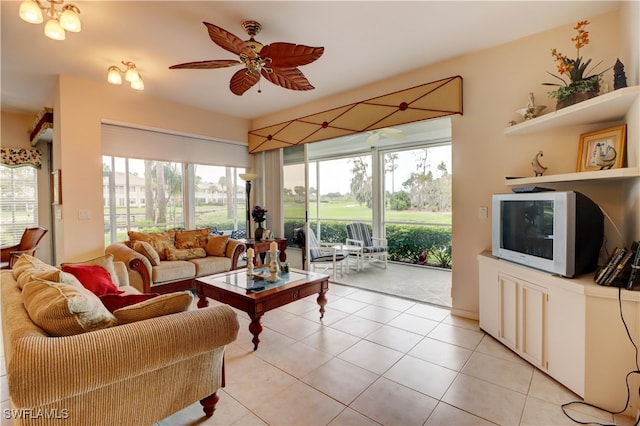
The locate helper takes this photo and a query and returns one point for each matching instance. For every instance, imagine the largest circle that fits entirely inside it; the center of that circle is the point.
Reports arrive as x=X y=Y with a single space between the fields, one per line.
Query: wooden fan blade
x=289 y=78
x=216 y=63
x=243 y=81
x=228 y=41
x=288 y=55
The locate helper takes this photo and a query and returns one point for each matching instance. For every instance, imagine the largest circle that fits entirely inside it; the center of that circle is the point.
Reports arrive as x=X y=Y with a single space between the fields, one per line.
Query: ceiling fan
x=277 y=62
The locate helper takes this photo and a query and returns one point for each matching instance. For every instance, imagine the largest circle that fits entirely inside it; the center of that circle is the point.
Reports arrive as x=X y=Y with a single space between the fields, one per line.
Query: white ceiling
x=365 y=41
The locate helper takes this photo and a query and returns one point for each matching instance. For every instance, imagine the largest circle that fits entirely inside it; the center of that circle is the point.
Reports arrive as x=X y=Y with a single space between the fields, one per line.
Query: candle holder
x=250 y=265
x=274 y=265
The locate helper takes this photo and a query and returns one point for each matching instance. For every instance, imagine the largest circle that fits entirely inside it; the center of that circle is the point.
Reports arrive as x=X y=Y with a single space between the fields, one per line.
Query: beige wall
x=14 y=133
x=80 y=108
x=496 y=83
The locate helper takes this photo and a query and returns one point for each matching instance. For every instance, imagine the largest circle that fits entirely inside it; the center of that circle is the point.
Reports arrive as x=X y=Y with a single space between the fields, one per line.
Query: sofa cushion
x=165 y=304
x=56 y=275
x=29 y=263
x=160 y=241
x=185 y=254
x=105 y=261
x=193 y=238
x=211 y=265
x=172 y=270
x=94 y=278
x=147 y=250
x=64 y=310
x=217 y=245
x=116 y=301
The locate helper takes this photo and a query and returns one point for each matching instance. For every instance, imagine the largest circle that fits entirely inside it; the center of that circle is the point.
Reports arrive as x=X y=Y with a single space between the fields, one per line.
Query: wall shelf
x=611 y=174
x=612 y=106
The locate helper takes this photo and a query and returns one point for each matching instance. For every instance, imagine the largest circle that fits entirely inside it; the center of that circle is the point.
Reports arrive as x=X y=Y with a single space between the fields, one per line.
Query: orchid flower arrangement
x=258 y=214
x=574 y=69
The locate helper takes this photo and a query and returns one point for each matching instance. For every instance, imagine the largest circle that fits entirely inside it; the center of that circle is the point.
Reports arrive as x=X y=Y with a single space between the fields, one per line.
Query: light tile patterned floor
x=376 y=359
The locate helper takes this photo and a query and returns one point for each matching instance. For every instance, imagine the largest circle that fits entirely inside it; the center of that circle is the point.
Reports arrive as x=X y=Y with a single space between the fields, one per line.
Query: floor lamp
x=248 y=177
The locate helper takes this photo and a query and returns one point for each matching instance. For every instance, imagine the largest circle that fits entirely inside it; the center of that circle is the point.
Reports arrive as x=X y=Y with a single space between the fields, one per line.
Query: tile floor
x=376 y=359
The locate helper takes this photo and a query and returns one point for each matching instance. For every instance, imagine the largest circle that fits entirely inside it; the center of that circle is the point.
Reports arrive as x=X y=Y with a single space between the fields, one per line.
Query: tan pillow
x=29 y=263
x=185 y=254
x=164 y=304
x=64 y=310
x=160 y=241
x=53 y=275
x=194 y=238
x=147 y=250
x=217 y=245
x=105 y=261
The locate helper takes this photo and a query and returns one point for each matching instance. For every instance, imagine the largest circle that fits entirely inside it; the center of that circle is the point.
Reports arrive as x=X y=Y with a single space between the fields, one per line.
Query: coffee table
x=231 y=288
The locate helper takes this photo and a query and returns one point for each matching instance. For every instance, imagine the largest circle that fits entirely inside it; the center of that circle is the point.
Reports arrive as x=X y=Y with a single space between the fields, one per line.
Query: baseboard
x=465 y=314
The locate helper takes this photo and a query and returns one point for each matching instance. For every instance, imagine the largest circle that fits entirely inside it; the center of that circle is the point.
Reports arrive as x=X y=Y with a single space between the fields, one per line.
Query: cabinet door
x=508 y=311
x=533 y=317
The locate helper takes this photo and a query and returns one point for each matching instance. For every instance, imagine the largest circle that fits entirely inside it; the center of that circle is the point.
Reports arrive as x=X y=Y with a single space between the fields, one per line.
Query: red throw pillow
x=116 y=301
x=94 y=278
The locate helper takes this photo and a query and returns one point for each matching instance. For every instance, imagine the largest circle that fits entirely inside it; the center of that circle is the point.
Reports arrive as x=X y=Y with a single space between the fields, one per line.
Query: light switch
x=483 y=212
x=84 y=214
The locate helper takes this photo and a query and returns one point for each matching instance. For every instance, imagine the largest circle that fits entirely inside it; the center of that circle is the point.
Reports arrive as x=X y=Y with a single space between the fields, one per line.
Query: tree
x=390 y=166
x=161 y=198
x=149 y=206
x=361 y=184
x=226 y=183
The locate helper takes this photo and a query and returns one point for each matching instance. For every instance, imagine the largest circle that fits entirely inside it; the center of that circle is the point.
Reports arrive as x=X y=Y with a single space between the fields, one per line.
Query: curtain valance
x=428 y=101
x=16 y=157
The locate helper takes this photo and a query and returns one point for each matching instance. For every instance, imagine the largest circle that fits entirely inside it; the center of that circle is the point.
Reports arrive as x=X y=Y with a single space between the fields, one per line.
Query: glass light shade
x=53 y=30
x=70 y=21
x=113 y=76
x=137 y=85
x=131 y=75
x=248 y=177
x=30 y=12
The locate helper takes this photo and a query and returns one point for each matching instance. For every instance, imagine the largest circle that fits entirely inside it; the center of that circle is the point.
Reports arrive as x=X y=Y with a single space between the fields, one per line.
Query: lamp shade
x=69 y=19
x=131 y=75
x=138 y=84
x=248 y=176
x=113 y=76
x=53 y=30
x=30 y=12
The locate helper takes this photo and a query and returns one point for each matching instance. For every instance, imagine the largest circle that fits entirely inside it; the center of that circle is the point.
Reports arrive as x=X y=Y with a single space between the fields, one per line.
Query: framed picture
x=602 y=149
x=56 y=187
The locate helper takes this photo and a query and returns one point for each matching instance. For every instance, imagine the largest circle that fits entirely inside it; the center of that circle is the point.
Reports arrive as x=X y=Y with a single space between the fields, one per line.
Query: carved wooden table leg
x=255 y=328
x=209 y=404
x=322 y=301
x=202 y=301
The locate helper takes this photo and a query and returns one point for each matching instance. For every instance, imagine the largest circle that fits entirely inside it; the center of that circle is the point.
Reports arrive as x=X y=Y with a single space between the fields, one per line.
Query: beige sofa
x=131 y=374
x=169 y=261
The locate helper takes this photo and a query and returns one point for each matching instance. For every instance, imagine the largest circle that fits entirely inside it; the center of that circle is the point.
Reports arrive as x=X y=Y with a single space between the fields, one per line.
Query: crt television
x=560 y=232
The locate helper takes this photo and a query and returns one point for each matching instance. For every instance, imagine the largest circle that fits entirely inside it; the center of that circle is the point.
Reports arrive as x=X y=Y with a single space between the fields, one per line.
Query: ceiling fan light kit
x=67 y=18
x=131 y=75
x=277 y=62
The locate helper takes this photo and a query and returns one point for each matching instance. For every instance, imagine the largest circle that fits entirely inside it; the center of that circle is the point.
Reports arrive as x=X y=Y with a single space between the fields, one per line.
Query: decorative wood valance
x=17 y=157
x=42 y=127
x=432 y=100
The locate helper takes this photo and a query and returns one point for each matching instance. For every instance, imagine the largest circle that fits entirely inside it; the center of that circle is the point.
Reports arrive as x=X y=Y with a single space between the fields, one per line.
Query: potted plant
x=259 y=216
x=582 y=84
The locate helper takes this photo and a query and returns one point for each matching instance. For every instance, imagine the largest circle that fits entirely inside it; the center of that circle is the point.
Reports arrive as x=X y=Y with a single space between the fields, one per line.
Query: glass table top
x=240 y=280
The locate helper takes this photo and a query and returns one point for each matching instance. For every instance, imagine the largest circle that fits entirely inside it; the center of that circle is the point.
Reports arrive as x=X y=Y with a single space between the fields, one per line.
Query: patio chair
x=373 y=249
x=28 y=245
x=320 y=254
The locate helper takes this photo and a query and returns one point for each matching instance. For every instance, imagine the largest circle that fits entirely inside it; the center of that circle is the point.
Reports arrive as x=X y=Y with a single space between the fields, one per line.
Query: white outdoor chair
x=373 y=249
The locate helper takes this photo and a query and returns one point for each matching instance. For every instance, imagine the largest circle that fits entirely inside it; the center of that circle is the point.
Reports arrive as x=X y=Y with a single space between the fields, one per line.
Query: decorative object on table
x=259 y=216
x=619 y=77
x=250 y=254
x=602 y=149
x=538 y=168
x=531 y=110
x=581 y=86
x=274 y=262
x=248 y=177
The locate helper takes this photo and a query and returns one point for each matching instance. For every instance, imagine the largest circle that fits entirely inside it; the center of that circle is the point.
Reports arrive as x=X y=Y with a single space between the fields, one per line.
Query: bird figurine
x=605 y=158
x=538 y=168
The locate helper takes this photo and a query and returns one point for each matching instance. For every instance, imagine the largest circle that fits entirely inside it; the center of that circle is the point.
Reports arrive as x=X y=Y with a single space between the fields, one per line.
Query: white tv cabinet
x=572 y=328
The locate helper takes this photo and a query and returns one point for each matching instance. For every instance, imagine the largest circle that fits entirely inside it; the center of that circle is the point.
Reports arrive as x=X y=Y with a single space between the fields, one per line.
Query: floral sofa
x=70 y=360
x=170 y=261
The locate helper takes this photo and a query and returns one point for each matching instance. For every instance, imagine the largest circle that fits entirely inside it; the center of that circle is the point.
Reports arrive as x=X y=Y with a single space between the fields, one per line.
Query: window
x=131 y=183
x=18 y=201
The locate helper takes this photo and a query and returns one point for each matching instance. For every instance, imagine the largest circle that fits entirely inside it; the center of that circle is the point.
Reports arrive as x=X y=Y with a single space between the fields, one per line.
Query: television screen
x=527 y=227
